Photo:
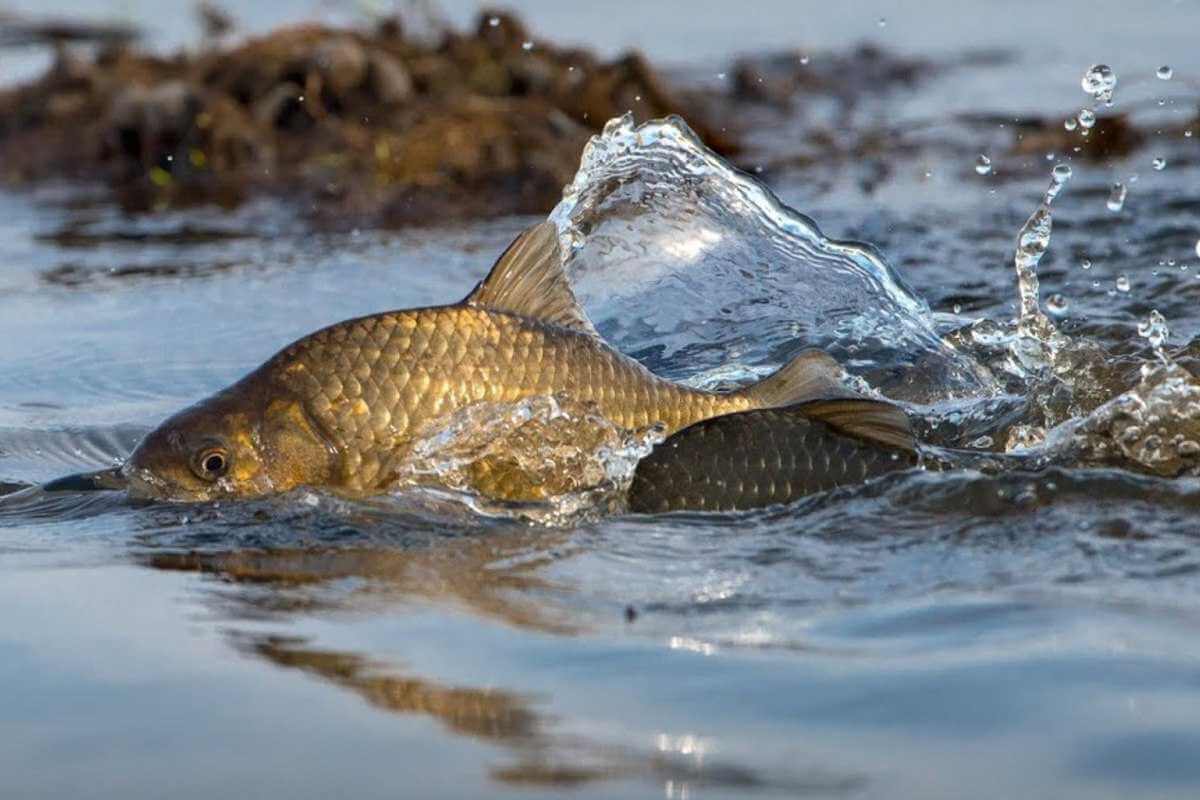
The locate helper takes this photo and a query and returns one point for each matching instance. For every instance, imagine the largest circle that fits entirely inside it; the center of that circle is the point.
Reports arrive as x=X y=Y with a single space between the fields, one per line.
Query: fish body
x=757 y=458
x=341 y=407
x=370 y=385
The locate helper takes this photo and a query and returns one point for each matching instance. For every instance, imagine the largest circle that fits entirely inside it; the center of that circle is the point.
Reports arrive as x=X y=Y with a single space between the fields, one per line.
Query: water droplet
x=1187 y=134
x=982 y=442
x=1187 y=448
x=882 y=22
x=803 y=61
x=1070 y=124
x=1086 y=263
x=1062 y=173
x=958 y=308
x=1087 y=118
x=1099 y=82
x=526 y=46
x=1122 y=282
x=1164 y=73
x=720 y=76
x=1154 y=329
x=493 y=21
x=983 y=165
x=1159 y=163
x=1056 y=304
x=1116 y=198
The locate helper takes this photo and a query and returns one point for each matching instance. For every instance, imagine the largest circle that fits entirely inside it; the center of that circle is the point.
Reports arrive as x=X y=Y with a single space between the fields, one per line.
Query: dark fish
x=753 y=459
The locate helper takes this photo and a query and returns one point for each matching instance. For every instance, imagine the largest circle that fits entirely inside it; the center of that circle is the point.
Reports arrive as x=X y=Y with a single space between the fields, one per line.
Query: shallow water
x=930 y=635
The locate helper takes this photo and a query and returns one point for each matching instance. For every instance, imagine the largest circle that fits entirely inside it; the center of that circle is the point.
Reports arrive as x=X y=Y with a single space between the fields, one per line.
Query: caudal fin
x=873 y=420
x=811 y=384
x=812 y=375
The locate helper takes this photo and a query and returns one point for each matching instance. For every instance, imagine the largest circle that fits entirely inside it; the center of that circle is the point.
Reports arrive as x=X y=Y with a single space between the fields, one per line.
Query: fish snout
x=113 y=479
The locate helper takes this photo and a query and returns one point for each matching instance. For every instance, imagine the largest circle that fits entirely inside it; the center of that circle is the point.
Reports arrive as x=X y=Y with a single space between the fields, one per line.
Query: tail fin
x=873 y=420
x=812 y=375
x=811 y=383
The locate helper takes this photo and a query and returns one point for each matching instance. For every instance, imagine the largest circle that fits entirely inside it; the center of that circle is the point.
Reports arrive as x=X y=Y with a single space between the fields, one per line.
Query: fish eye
x=211 y=463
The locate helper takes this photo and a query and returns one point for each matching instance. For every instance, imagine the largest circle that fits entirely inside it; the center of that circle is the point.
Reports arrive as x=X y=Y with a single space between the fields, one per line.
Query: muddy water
x=932 y=635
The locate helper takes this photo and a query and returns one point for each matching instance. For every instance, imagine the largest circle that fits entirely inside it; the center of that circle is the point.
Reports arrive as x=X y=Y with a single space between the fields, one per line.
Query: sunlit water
x=931 y=635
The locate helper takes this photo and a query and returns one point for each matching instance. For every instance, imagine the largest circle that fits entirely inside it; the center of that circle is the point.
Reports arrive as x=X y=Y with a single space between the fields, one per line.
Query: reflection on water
x=496 y=577
x=490 y=575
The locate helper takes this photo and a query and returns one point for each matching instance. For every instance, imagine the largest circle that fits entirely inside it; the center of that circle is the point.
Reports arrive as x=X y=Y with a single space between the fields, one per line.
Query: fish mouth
x=103 y=480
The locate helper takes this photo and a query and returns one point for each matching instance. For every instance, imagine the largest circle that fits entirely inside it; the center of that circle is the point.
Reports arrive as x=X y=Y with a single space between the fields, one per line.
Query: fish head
x=205 y=452
x=233 y=445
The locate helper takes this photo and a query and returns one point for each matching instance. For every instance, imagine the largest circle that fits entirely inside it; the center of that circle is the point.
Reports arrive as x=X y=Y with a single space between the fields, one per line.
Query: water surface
x=932 y=635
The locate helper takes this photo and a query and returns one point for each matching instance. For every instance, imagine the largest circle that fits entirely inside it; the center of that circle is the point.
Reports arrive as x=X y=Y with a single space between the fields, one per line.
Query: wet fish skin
x=340 y=407
x=351 y=396
x=372 y=383
x=754 y=459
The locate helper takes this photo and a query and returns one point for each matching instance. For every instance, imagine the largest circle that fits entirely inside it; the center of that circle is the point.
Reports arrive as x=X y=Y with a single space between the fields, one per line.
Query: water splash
x=1099 y=81
x=1116 y=197
x=545 y=459
x=1032 y=242
x=1154 y=330
x=1153 y=427
x=699 y=271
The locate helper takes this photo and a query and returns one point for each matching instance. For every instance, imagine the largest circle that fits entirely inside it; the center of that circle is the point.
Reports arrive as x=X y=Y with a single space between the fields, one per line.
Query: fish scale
x=754 y=459
x=438 y=359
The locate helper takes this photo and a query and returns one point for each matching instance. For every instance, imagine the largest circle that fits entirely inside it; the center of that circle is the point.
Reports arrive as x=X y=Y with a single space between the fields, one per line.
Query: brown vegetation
x=366 y=126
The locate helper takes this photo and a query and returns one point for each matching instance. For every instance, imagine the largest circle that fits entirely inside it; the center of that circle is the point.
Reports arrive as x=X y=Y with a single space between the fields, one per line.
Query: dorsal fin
x=528 y=280
x=873 y=420
x=812 y=375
